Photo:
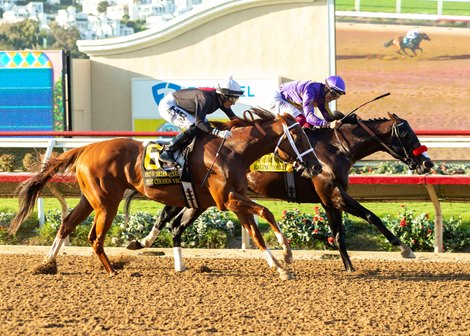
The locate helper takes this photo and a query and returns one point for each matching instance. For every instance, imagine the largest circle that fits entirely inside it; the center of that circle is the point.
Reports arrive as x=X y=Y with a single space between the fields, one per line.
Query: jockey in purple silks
x=307 y=101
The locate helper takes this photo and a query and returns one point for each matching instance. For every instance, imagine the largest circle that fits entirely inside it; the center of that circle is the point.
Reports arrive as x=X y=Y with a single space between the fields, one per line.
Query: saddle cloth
x=271 y=163
x=155 y=175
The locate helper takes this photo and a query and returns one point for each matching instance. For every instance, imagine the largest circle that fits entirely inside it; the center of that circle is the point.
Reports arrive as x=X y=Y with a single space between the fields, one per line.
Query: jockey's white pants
x=174 y=114
x=281 y=106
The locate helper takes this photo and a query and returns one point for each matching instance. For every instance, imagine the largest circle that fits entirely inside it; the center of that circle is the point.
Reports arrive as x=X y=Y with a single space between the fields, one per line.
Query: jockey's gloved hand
x=334 y=124
x=222 y=134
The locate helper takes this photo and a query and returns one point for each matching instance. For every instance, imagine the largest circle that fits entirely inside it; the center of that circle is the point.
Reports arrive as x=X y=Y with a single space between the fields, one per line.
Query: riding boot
x=167 y=155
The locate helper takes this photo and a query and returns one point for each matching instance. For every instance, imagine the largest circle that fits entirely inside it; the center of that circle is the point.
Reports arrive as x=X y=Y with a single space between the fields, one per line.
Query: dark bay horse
x=338 y=150
x=401 y=44
x=105 y=170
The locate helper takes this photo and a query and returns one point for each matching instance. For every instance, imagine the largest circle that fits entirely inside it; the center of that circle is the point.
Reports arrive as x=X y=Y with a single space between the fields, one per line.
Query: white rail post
x=357 y=5
x=438 y=224
x=398 y=6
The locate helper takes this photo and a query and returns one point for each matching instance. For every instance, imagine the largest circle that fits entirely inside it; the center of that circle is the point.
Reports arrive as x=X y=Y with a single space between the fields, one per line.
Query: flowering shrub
x=455 y=236
x=393 y=167
x=211 y=230
x=52 y=221
x=444 y=168
x=415 y=231
x=5 y=220
x=305 y=231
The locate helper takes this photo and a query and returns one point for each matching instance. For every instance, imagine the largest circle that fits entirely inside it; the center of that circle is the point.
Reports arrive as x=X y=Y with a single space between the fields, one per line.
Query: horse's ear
x=393 y=117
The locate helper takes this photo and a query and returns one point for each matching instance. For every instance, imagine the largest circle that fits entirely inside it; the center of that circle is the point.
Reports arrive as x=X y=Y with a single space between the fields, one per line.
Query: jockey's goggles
x=232 y=99
x=335 y=93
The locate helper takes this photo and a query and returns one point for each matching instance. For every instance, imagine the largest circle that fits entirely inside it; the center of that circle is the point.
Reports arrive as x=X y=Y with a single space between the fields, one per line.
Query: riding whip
x=212 y=165
x=370 y=101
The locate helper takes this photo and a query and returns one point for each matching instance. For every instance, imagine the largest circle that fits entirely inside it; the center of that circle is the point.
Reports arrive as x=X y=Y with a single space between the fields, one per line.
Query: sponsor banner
x=147 y=94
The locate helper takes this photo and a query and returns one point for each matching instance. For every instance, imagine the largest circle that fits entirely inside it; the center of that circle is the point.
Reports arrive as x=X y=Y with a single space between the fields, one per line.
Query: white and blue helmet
x=229 y=88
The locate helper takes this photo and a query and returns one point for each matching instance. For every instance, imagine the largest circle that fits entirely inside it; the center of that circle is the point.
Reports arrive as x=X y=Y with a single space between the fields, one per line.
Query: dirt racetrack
x=226 y=296
x=431 y=91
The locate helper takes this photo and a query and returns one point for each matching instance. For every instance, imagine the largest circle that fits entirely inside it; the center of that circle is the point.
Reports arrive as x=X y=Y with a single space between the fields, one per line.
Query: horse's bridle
x=288 y=136
x=406 y=158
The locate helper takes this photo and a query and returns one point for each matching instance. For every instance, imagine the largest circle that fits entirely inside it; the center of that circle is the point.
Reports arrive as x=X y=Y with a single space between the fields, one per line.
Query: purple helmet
x=336 y=83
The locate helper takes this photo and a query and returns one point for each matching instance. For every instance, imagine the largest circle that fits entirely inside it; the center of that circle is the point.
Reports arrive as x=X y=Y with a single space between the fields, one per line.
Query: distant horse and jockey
x=410 y=41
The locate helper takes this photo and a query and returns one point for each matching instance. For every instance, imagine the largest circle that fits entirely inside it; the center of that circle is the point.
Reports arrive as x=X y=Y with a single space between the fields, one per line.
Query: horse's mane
x=247 y=120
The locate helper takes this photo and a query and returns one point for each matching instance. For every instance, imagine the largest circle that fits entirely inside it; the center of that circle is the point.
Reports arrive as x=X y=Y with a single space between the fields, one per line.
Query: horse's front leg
x=354 y=208
x=245 y=208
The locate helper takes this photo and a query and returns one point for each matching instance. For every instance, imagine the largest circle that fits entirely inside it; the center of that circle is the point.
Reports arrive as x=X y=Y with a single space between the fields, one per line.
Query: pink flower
x=316 y=209
x=315 y=231
x=284 y=213
x=315 y=218
x=331 y=240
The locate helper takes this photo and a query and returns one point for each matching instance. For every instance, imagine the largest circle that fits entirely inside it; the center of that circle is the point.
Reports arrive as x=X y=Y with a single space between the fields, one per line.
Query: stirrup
x=167 y=158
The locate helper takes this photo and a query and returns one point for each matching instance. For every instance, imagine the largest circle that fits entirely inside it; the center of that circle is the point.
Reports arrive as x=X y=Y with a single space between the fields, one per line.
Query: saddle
x=156 y=174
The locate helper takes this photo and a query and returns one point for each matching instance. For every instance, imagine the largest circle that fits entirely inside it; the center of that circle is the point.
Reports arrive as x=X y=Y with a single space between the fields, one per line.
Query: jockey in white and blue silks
x=308 y=101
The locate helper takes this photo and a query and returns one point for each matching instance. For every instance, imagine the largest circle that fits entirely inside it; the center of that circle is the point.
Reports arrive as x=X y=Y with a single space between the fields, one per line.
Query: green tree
x=102 y=6
x=65 y=39
x=20 y=35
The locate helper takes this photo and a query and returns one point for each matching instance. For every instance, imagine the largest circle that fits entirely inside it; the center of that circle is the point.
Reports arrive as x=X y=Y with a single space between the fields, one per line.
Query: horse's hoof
x=286 y=275
x=180 y=268
x=288 y=258
x=48 y=267
x=408 y=254
x=112 y=273
x=134 y=245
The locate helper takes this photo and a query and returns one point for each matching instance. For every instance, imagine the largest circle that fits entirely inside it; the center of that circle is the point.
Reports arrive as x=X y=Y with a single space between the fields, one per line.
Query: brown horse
x=338 y=150
x=104 y=170
x=401 y=44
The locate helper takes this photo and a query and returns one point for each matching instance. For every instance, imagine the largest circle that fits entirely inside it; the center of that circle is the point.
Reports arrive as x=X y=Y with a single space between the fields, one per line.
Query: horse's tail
x=29 y=190
x=388 y=43
x=127 y=206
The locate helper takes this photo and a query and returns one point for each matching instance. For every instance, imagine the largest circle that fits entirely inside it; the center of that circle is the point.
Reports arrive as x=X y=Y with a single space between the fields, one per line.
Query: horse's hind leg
x=335 y=220
x=245 y=208
x=69 y=223
x=104 y=216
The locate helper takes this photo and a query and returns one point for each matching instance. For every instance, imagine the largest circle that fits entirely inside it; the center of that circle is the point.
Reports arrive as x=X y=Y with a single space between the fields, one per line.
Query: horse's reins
x=367 y=102
x=406 y=158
